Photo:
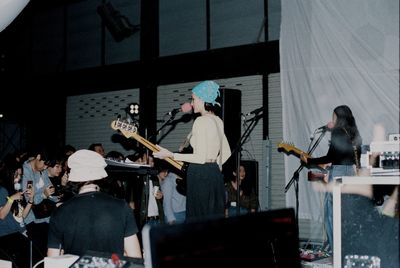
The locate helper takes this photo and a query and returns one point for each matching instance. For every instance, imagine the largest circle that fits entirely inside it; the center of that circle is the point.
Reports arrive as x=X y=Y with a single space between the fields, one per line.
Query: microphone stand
x=238 y=150
x=166 y=123
x=295 y=176
x=147 y=187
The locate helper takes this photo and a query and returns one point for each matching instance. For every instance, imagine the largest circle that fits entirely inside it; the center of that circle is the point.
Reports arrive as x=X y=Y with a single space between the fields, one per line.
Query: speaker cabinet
x=230 y=113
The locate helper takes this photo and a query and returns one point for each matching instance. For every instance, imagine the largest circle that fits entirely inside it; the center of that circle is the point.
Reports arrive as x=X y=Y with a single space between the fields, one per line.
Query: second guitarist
x=205 y=184
x=344 y=154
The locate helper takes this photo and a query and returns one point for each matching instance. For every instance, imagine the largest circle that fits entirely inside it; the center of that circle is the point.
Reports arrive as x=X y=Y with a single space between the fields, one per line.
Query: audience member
x=114 y=184
x=151 y=207
x=98 y=148
x=14 y=245
x=248 y=198
x=35 y=175
x=174 y=203
x=92 y=220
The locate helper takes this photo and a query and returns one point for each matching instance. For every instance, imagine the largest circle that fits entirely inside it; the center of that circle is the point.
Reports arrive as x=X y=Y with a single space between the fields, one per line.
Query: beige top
x=206 y=141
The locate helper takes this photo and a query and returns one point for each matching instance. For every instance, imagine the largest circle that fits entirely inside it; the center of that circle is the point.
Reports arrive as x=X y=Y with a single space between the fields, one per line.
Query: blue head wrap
x=207 y=91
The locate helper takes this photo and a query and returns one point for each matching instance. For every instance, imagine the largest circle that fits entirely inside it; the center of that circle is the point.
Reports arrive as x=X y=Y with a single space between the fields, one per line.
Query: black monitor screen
x=262 y=239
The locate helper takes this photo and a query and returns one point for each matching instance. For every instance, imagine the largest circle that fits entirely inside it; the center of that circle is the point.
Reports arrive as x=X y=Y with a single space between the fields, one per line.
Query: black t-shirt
x=341 y=150
x=91 y=221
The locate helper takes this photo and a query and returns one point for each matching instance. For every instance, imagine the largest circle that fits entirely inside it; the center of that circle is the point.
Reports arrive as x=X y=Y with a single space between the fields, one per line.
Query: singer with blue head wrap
x=205 y=185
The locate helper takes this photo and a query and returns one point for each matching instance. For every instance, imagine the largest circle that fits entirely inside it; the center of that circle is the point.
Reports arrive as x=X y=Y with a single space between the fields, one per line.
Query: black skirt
x=205 y=192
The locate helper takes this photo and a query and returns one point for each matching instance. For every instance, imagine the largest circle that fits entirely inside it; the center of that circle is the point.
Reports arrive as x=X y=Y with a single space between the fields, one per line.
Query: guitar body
x=181 y=182
x=315 y=175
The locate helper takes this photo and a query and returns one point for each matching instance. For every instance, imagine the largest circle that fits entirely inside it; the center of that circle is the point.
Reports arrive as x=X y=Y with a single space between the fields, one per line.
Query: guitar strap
x=220 y=134
x=357 y=163
x=186 y=142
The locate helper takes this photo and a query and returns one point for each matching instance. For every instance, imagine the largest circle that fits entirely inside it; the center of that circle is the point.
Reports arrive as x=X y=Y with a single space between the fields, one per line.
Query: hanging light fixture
x=116 y=23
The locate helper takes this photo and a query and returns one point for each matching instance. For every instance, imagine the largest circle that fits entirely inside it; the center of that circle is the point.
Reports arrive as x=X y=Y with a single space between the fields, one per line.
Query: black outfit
x=204 y=182
x=91 y=221
x=341 y=151
x=341 y=154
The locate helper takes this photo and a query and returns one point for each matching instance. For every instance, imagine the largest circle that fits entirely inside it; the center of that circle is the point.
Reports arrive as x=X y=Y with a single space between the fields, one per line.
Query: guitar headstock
x=126 y=128
x=286 y=147
x=289 y=148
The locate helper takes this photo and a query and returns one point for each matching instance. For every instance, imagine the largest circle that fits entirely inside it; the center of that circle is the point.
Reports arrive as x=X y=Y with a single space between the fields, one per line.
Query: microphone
x=326 y=127
x=256 y=111
x=185 y=108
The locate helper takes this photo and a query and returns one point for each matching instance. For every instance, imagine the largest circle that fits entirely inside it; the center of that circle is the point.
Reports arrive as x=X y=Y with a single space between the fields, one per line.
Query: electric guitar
x=289 y=148
x=130 y=131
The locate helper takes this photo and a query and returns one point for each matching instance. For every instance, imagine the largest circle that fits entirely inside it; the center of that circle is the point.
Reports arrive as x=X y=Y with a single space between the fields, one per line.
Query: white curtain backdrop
x=333 y=53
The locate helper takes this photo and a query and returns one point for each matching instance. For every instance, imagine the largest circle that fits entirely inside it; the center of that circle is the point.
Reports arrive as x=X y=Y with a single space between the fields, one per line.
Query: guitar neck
x=153 y=148
x=130 y=131
x=290 y=149
x=298 y=152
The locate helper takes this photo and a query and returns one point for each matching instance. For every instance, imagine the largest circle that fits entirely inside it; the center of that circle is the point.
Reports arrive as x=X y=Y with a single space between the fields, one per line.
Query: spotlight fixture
x=117 y=24
x=133 y=109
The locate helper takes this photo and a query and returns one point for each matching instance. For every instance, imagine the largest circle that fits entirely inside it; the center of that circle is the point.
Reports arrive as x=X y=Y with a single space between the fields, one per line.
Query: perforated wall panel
x=89 y=118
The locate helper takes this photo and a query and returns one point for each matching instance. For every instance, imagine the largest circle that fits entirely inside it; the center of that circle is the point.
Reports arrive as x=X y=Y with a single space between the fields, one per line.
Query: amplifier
x=386 y=155
x=389 y=160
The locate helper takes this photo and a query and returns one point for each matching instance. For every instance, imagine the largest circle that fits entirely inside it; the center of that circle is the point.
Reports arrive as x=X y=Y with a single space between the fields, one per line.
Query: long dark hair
x=245 y=184
x=11 y=165
x=345 y=120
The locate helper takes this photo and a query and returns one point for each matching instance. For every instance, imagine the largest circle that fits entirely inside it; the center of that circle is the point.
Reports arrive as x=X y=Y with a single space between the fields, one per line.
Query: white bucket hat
x=86 y=165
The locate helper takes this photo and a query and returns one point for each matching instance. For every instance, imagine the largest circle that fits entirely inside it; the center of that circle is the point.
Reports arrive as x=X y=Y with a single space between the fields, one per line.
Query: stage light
x=117 y=24
x=133 y=109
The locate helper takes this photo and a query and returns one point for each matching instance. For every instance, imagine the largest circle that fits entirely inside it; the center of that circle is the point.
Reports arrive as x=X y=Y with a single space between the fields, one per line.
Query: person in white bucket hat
x=92 y=220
